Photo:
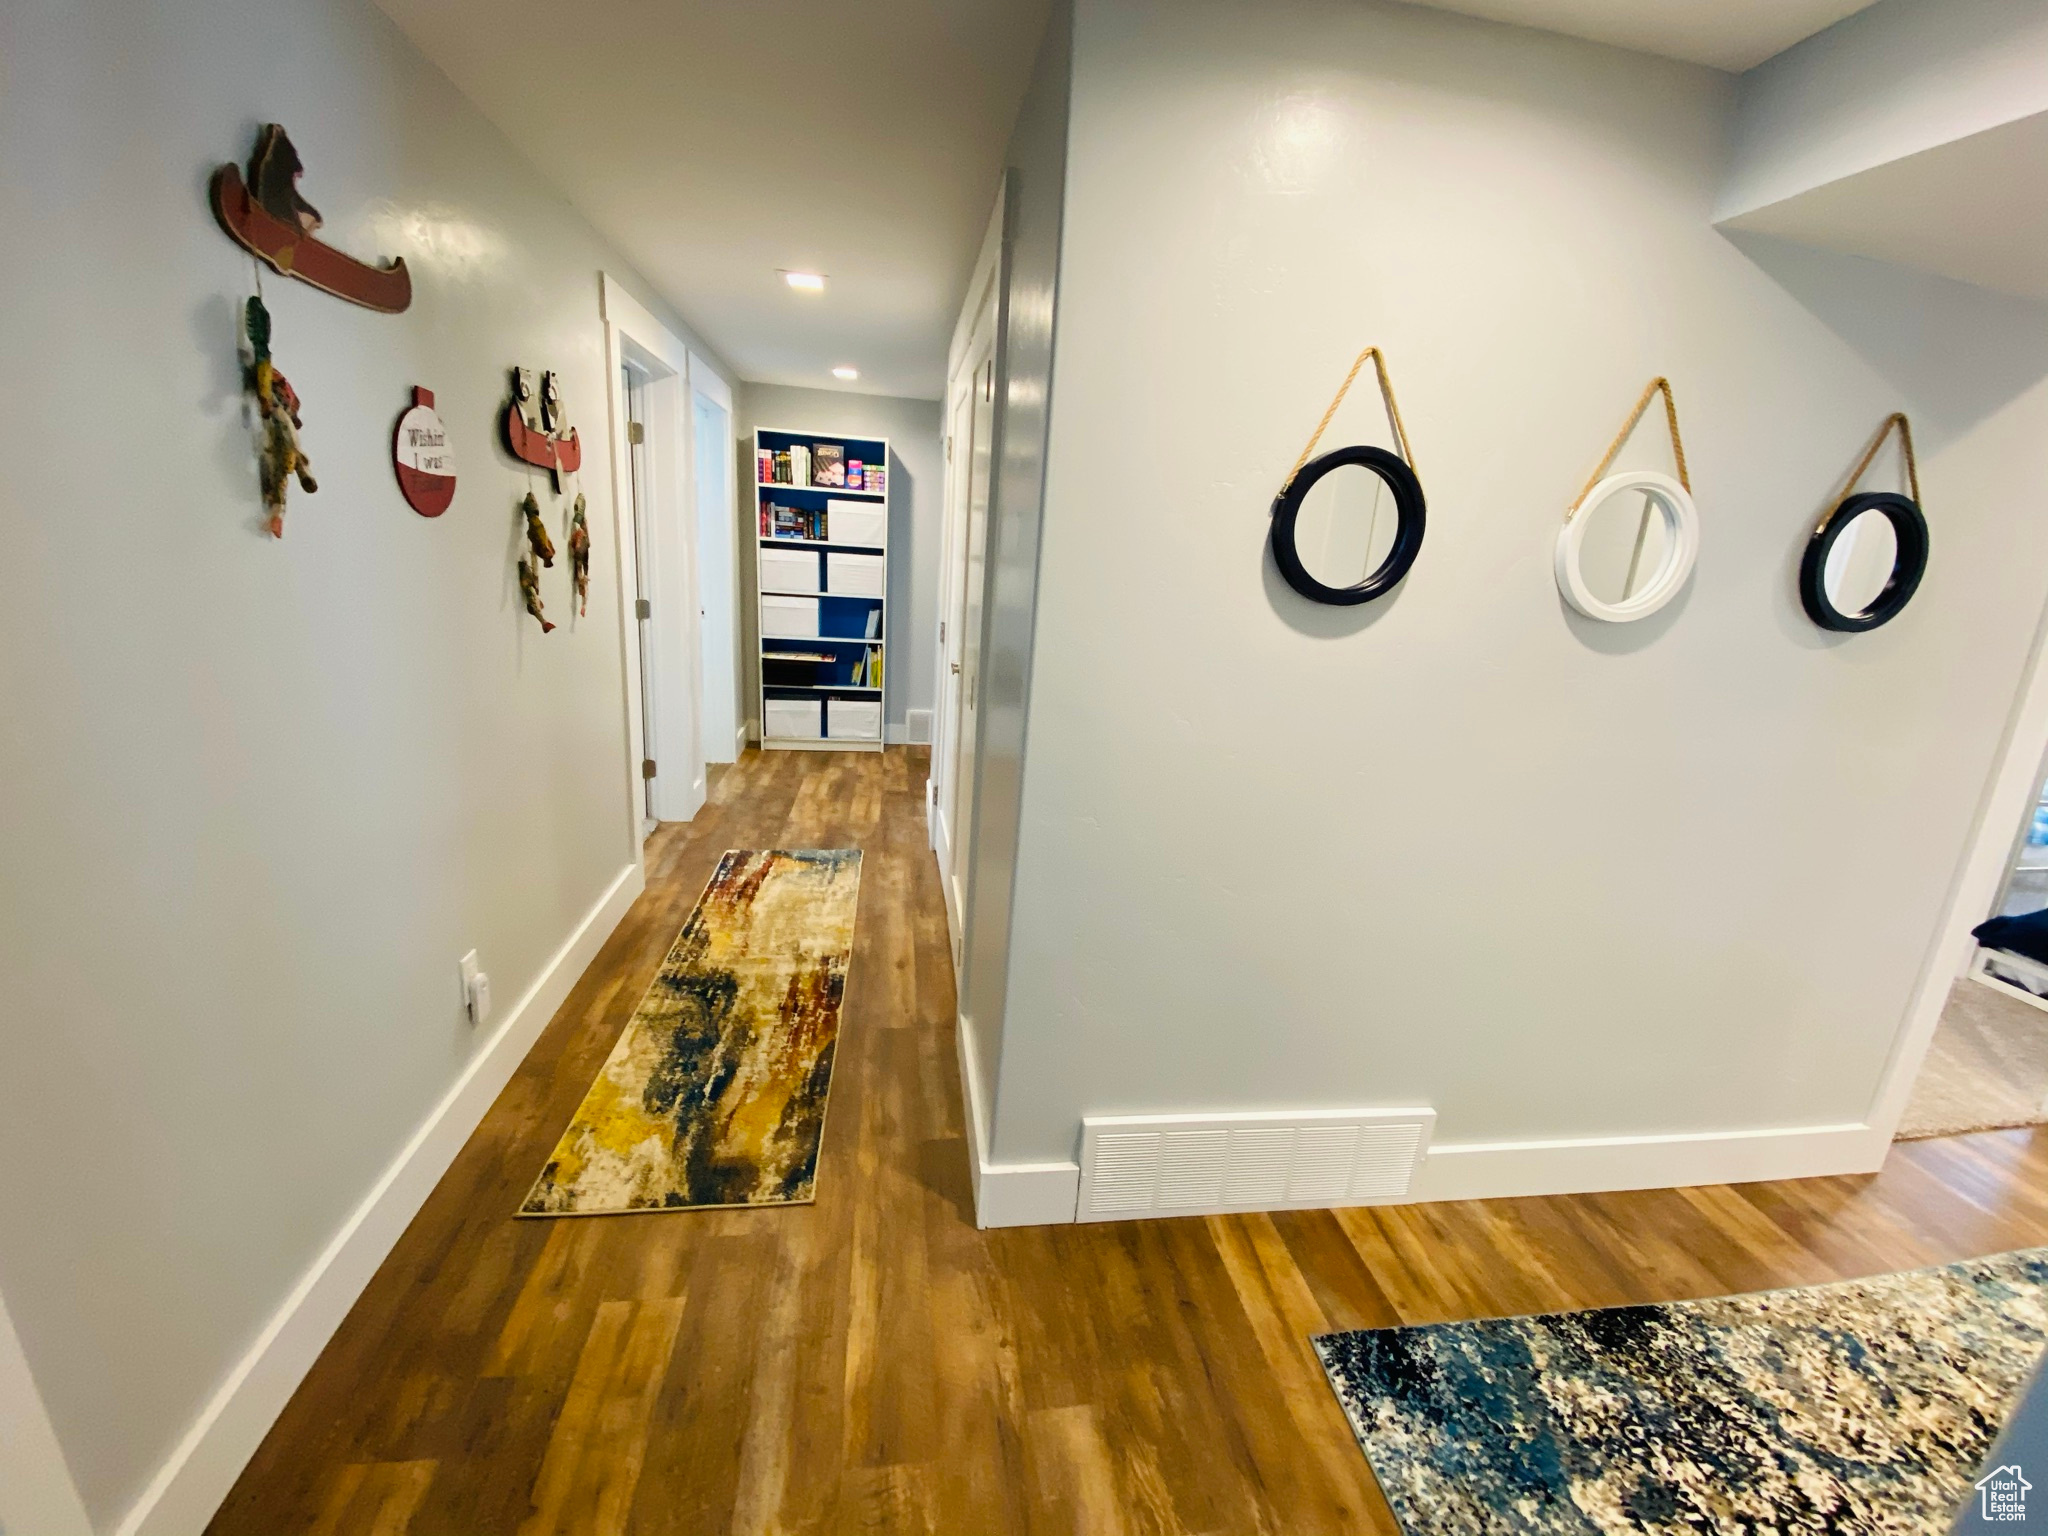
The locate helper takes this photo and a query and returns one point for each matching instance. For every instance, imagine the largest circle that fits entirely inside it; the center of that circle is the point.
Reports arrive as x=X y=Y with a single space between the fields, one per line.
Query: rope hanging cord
x=1379 y=363
x=1896 y=419
x=1621 y=437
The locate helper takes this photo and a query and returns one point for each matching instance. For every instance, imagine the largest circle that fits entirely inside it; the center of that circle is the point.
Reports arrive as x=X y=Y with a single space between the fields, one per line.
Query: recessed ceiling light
x=845 y=373
x=808 y=282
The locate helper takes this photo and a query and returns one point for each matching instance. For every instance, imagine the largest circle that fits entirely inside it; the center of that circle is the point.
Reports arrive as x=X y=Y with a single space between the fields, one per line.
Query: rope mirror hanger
x=1397 y=471
x=1909 y=542
x=1672 y=501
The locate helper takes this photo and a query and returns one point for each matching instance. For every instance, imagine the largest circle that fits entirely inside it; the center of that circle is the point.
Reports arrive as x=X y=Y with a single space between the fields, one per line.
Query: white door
x=959 y=780
x=634 y=386
x=717 y=564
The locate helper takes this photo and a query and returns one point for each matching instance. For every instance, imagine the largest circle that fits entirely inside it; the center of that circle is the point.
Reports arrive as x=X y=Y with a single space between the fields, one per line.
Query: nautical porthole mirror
x=1630 y=541
x=1348 y=525
x=1865 y=560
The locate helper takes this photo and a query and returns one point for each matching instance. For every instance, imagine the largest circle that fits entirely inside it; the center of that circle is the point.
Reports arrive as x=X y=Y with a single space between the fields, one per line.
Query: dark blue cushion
x=2025 y=935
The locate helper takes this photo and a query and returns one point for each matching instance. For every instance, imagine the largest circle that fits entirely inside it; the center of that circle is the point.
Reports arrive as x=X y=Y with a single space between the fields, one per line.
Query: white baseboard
x=1009 y=1194
x=1043 y=1194
x=37 y=1496
x=744 y=736
x=190 y=1485
x=1507 y=1169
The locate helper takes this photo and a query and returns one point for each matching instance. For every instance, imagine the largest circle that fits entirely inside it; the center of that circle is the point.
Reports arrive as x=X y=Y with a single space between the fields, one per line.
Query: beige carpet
x=1987 y=1068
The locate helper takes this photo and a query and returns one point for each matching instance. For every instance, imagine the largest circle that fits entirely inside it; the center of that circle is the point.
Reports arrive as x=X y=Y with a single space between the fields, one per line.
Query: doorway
x=652 y=492
x=1987 y=1065
x=718 y=611
x=970 y=421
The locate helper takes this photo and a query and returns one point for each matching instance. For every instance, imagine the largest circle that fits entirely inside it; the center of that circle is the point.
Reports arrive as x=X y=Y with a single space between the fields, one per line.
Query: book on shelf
x=780 y=522
x=875 y=622
x=828 y=464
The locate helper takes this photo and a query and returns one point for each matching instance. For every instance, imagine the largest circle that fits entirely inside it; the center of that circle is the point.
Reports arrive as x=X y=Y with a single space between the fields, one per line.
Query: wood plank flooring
x=873 y=1363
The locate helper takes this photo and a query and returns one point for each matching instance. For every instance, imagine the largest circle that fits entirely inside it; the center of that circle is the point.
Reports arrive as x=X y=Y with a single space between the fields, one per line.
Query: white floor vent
x=1190 y=1165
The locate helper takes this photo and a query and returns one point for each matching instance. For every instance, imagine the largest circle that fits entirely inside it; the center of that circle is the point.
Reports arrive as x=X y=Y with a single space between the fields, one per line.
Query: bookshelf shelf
x=822 y=490
x=806 y=584
x=774 y=543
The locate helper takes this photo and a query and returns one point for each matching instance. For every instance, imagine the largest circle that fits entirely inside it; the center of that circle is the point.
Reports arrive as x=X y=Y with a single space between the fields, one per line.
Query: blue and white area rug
x=1863 y=1407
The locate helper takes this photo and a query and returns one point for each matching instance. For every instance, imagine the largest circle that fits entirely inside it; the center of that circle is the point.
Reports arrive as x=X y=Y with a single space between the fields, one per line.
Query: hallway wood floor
x=873 y=1363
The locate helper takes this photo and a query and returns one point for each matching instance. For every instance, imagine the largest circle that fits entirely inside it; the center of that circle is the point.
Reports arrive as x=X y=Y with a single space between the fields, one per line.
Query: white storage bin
x=792 y=719
x=857 y=522
x=854 y=720
x=789 y=618
x=789 y=570
x=853 y=575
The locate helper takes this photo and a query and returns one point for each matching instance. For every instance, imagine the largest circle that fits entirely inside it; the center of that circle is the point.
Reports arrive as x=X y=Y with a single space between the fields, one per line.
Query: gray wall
x=1036 y=167
x=1461 y=846
x=917 y=493
x=257 y=797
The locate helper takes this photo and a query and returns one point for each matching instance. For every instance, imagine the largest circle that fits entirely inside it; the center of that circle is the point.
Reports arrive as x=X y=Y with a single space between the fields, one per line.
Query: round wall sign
x=420 y=453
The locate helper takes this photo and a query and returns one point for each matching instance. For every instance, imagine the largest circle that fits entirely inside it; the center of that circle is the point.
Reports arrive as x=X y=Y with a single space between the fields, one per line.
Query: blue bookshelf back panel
x=847 y=617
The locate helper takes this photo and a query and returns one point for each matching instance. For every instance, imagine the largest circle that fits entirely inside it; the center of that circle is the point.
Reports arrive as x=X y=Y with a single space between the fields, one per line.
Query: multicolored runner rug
x=1862 y=1407
x=715 y=1095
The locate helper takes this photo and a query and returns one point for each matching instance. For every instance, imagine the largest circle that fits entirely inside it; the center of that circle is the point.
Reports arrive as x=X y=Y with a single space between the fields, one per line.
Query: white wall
x=917 y=492
x=1462 y=847
x=257 y=797
x=1895 y=80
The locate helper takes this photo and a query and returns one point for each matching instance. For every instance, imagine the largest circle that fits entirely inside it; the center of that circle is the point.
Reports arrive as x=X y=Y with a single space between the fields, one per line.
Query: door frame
x=633 y=334
x=706 y=381
x=960 y=357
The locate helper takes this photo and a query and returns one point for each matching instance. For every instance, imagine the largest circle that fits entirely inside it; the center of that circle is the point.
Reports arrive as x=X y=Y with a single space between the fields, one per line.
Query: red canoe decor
x=536 y=429
x=420 y=454
x=267 y=217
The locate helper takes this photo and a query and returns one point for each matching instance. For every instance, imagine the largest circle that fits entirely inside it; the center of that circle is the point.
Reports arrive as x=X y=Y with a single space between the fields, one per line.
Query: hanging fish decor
x=579 y=556
x=542 y=552
x=529 y=586
x=279 y=458
x=537 y=532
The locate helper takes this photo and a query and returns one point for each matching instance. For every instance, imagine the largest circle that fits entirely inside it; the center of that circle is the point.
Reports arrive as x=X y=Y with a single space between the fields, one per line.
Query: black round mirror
x=1864 y=563
x=1335 y=538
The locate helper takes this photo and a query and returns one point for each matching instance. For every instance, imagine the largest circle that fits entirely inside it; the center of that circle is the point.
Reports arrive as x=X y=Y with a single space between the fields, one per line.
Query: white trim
x=1009 y=1194
x=1977 y=972
x=1510 y=1169
x=37 y=1496
x=708 y=381
x=2008 y=798
x=197 y=1475
x=1044 y=1194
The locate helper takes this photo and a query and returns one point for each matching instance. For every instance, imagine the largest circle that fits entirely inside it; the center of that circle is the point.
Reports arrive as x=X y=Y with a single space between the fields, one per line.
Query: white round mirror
x=1629 y=547
x=1345 y=529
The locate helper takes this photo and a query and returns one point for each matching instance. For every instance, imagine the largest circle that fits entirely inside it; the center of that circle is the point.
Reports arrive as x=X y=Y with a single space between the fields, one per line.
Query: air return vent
x=1189 y=1165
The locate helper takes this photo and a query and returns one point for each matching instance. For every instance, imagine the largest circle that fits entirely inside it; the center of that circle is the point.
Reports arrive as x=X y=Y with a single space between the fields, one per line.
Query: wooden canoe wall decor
x=537 y=430
x=267 y=217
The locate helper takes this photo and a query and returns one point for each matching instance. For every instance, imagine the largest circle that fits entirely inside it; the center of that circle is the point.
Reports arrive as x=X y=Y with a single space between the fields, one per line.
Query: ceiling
x=717 y=141
x=1728 y=34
